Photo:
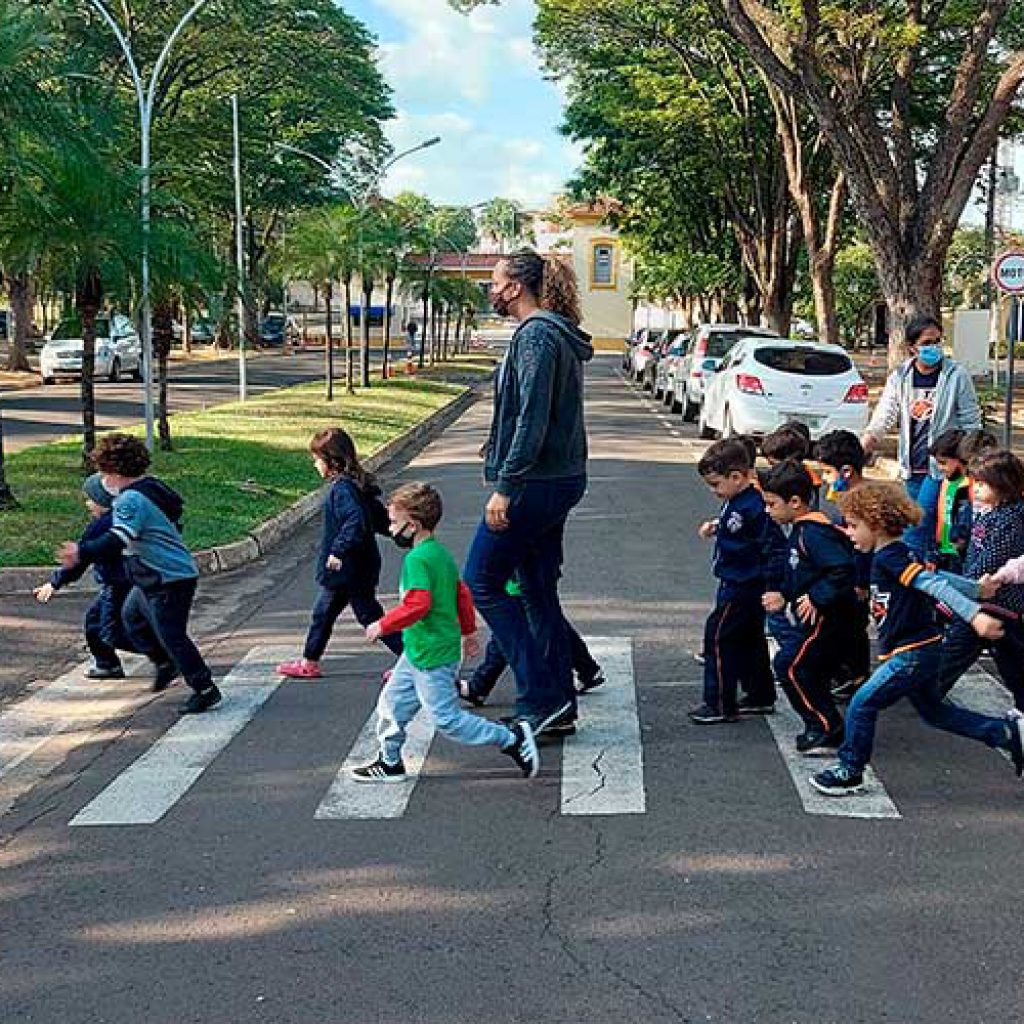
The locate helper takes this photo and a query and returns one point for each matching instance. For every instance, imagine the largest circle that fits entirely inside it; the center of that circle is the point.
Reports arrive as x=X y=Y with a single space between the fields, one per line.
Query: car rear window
x=720 y=342
x=72 y=329
x=808 y=362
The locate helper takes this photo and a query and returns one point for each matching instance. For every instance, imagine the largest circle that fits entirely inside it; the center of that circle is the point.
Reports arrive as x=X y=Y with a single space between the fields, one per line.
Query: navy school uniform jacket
x=747 y=546
x=110 y=569
x=351 y=520
x=820 y=564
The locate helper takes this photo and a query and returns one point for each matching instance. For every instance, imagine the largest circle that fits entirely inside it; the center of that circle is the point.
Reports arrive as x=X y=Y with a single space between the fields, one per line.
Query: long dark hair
x=549 y=279
x=338 y=451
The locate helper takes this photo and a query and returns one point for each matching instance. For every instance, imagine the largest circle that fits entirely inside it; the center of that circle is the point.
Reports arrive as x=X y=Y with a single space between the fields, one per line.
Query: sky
x=476 y=81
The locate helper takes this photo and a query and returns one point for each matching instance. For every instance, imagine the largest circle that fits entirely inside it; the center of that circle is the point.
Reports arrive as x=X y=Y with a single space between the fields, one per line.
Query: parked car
x=627 y=348
x=672 y=347
x=277 y=329
x=711 y=344
x=204 y=331
x=118 y=349
x=764 y=382
x=643 y=353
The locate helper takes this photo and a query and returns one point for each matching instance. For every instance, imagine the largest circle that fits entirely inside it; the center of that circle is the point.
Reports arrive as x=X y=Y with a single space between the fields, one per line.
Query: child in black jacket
x=348 y=566
x=104 y=631
x=818 y=598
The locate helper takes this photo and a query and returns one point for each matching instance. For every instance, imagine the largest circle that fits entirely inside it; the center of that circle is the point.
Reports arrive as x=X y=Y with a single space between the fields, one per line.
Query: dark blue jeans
x=531 y=629
x=912 y=674
x=104 y=631
x=156 y=620
x=962 y=647
x=330 y=603
x=925 y=490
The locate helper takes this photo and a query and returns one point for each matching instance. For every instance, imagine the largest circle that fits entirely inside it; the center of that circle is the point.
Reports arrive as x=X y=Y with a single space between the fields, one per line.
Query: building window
x=602 y=268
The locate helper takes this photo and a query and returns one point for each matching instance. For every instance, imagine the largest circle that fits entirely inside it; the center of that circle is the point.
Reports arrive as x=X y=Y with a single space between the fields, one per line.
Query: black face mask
x=404 y=538
x=500 y=303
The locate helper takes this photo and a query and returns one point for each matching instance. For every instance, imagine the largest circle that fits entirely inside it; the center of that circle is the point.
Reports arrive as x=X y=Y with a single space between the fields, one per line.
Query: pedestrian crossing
x=602 y=771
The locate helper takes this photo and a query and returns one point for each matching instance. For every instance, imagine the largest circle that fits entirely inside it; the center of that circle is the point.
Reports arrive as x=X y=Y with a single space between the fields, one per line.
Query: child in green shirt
x=437 y=621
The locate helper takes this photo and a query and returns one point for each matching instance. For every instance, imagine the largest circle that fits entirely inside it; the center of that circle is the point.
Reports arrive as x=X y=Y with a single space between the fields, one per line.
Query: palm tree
x=394 y=232
x=74 y=212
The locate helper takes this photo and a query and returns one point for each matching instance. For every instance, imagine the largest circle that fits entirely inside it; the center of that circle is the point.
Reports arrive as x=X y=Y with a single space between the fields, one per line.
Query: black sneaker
x=707 y=715
x=815 y=742
x=698 y=656
x=844 y=689
x=1015 y=723
x=165 y=675
x=542 y=723
x=467 y=696
x=524 y=749
x=117 y=672
x=586 y=684
x=564 y=725
x=837 y=781
x=201 y=701
x=379 y=771
x=746 y=706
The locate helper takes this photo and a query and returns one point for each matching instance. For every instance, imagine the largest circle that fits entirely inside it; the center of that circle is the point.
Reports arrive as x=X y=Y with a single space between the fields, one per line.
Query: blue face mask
x=929 y=355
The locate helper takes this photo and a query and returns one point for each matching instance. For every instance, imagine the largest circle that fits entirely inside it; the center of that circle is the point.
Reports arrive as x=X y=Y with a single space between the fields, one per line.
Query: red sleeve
x=467 y=613
x=415 y=606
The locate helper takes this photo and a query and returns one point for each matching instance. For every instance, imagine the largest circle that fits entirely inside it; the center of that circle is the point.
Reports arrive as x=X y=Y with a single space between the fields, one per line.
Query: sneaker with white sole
x=380 y=771
x=838 y=781
x=1015 y=723
x=523 y=750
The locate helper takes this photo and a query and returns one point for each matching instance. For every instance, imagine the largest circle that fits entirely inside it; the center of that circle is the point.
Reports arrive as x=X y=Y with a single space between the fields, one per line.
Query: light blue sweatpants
x=411 y=688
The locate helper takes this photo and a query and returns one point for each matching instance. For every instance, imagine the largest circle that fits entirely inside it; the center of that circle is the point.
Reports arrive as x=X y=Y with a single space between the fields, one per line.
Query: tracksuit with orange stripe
x=820 y=567
x=735 y=648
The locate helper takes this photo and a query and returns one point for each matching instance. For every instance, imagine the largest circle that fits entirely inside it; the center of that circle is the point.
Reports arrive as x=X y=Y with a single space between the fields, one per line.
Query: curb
x=273 y=532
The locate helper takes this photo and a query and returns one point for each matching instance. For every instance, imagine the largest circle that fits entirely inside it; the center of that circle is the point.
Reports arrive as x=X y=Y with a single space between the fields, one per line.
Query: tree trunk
x=424 y=329
x=163 y=337
x=7 y=499
x=909 y=287
x=19 y=286
x=446 y=337
x=88 y=296
x=389 y=294
x=460 y=319
x=350 y=366
x=329 y=345
x=364 y=335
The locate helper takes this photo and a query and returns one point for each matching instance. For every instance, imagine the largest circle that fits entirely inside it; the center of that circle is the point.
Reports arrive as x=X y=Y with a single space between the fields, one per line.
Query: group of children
x=806 y=553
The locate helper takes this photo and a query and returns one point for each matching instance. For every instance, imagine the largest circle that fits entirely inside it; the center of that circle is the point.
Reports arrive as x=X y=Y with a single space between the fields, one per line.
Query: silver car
x=118 y=350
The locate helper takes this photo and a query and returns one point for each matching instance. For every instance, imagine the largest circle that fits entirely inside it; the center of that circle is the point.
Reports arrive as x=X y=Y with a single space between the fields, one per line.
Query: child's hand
x=334 y=563
x=67 y=555
x=708 y=529
x=806 y=611
x=773 y=601
x=988 y=627
x=988 y=586
x=471 y=645
x=373 y=631
x=44 y=593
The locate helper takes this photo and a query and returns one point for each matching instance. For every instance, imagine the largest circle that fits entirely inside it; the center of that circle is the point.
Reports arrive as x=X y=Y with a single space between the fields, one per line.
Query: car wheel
x=137 y=373
x=115 y=371
x=690 y=409
x=676 y=405
x=727 y=428
x=48 y=380
x=706 y=432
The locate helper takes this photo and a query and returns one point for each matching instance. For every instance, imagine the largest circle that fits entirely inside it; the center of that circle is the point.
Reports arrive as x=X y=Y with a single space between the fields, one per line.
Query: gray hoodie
x=537 y=430
x=956 y=407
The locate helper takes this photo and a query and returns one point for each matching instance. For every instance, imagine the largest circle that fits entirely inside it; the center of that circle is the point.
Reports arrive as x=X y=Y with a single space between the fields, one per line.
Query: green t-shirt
x=437 y=639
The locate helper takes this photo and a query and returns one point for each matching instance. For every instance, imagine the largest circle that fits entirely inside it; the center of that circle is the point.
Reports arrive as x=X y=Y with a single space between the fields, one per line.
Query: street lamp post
x=239 y=251
x=146 y=97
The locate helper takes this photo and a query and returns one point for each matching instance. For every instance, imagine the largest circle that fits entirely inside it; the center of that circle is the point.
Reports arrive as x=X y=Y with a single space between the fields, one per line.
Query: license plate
x=808 y=421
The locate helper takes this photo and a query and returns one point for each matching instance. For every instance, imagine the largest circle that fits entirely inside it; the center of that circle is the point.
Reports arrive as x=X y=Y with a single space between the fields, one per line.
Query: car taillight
x=749 y=384
x=858 y=394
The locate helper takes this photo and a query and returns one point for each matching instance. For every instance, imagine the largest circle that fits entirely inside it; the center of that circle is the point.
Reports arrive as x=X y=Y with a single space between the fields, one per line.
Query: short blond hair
x=421 y=502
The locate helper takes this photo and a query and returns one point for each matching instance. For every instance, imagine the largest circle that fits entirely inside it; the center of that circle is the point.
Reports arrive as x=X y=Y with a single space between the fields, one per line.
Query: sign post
x=1008 y=277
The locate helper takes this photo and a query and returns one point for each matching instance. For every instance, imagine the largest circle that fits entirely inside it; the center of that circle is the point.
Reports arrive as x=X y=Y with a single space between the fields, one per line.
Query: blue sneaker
x=838 y=781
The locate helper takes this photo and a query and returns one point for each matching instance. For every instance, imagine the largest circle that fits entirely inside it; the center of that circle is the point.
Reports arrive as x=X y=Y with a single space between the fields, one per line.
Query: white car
x=118 y=350
x=762 y=383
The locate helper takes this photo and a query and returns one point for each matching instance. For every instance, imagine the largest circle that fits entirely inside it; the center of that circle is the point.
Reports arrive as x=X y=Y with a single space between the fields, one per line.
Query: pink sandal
x=299 y=669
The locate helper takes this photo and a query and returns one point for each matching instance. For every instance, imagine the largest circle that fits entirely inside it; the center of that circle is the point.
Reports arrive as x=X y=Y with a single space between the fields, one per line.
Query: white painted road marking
x=602 y=767
x=347 y=798
x=144 y=792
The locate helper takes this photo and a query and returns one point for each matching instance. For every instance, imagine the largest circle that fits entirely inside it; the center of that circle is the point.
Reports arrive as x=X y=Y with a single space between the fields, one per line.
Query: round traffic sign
x=1008 y=272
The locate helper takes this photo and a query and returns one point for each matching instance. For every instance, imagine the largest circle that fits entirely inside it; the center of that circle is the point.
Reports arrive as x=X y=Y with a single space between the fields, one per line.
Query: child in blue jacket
x=348 y=566
x=104 y=631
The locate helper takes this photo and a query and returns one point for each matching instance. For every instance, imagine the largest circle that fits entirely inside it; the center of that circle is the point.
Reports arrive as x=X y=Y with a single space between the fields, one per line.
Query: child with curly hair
x=903 y=596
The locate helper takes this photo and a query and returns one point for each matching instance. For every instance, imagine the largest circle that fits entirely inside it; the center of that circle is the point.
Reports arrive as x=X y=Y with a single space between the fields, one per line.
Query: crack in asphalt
x=602 y=779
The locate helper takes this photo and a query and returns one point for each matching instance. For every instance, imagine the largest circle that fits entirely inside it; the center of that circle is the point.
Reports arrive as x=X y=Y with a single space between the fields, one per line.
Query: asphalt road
x=484 y=903
x=36 y=415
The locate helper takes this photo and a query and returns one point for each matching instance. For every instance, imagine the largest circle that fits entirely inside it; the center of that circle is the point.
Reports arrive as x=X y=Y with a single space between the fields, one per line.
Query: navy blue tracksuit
x=104 y=630
x=735 y=648
x=821 y=567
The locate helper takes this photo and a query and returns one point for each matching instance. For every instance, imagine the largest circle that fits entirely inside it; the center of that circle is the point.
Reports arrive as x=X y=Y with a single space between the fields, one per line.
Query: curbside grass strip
x=273 y=532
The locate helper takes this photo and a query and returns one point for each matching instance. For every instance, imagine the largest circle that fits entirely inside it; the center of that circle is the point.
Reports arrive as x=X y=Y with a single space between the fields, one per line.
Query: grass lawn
x=236 y=465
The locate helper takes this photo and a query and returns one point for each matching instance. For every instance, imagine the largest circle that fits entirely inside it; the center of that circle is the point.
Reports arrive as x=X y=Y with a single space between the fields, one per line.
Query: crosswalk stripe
x=347 y=798
x=981 y=691
x=873 y=802
x=602 y=767
x=152 y=785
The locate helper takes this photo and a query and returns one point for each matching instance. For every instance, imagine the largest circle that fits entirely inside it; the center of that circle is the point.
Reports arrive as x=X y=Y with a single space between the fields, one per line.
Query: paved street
x=37 y=415
x=656 y=872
